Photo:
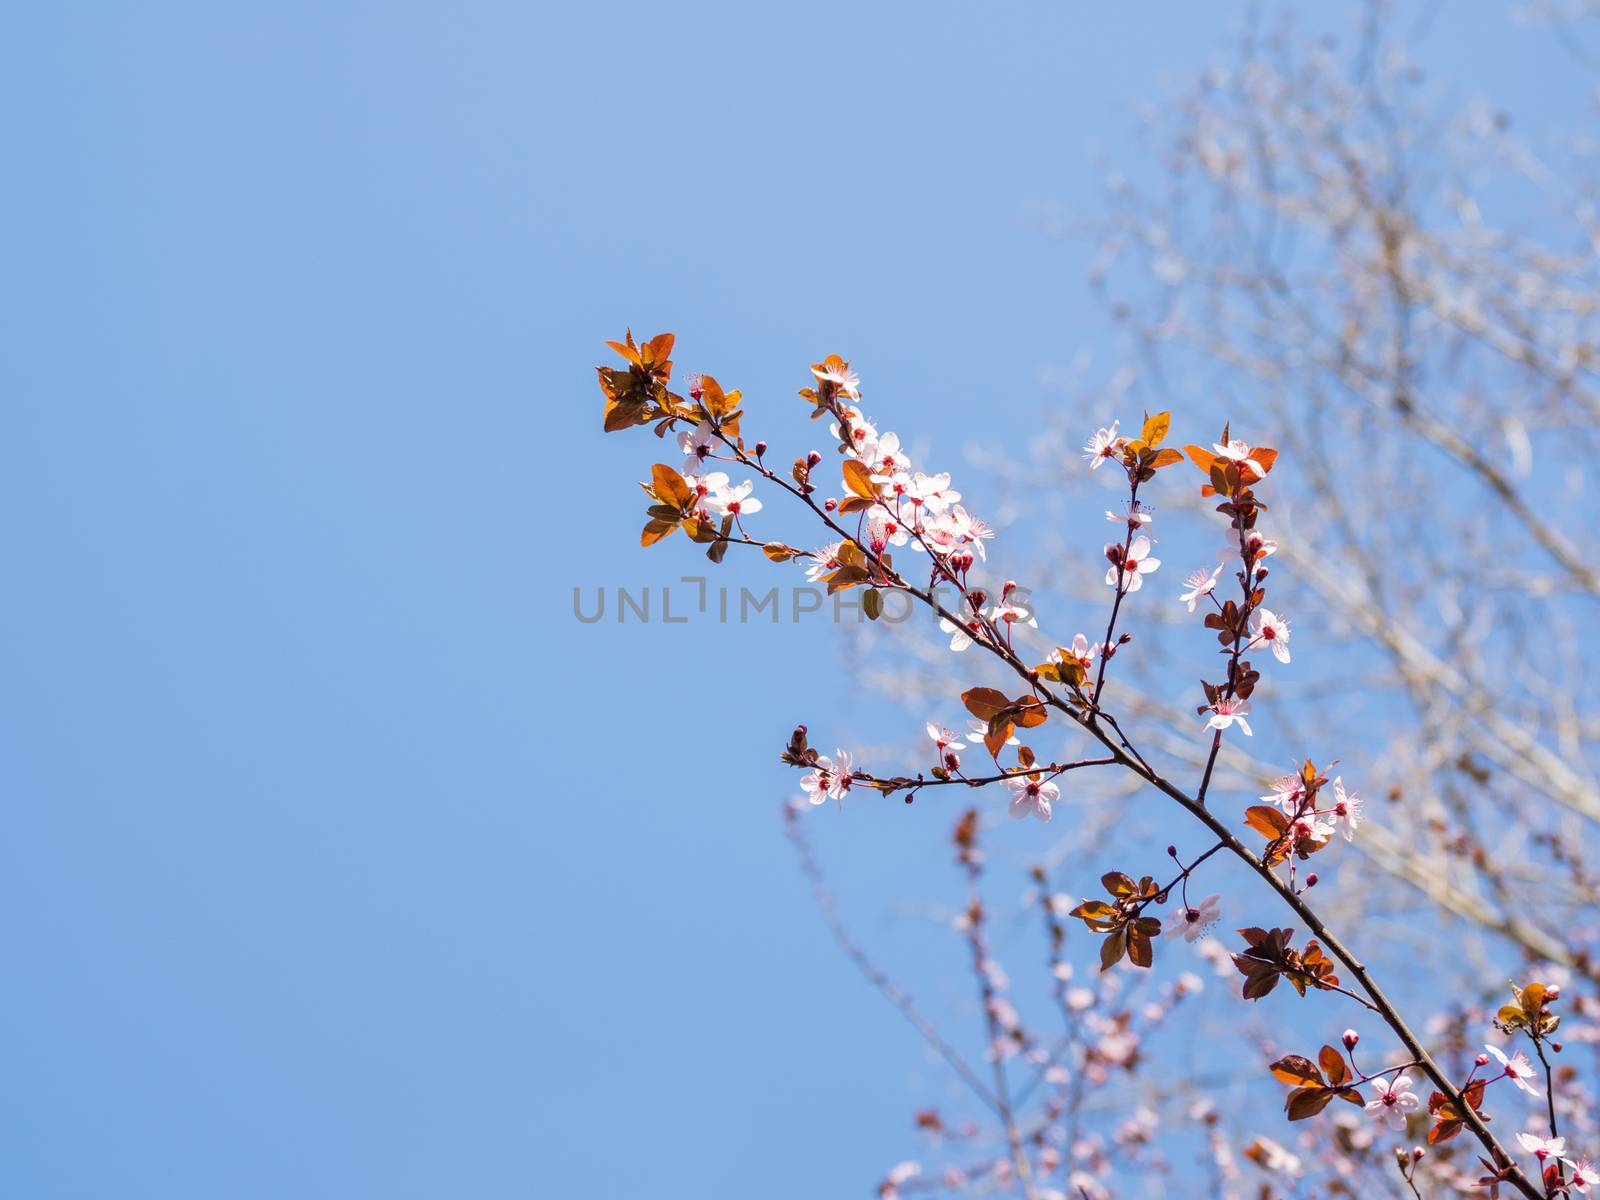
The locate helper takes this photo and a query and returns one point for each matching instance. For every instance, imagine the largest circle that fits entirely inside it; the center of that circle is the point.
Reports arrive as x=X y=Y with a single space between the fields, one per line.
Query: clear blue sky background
x=339 y=859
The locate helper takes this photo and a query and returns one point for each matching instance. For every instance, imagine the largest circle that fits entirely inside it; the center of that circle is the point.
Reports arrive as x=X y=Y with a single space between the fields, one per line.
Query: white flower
x=824 y=560
x=1287 y=793
x=830 y=778
x=1135 y=566
x=1193 y=922
x=734 y=501
x=1228 y=712
x=842 y=778
x=1101 y=446
x=1542 y=1148
x=1199 y=584
x=1346 y=810
x=818 y=783
x=863 y=434
x=960 y=635
x=1135 y=514
x=1238 y=451
x=1266 y=626
x=1584 y=1174
x=943 y=737
x=931 y=492
x=1392 y=1101
x=697 y=444
x=1032 y=796
x=885 y=459
x=1517 y=1069
x=885 y=529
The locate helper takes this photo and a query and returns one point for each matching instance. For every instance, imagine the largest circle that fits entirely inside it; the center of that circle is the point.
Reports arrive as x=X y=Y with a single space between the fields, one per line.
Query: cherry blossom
x=1228 y=712
x=960 y=635
x=818 y=783
x=1102 y=446
x=1080 y=652
x=1392 y=1101
x=824 y=561
x=836 y=371
x=1194 y=922
x=1199 y=584
x=1346 y=810
x=1033 y=796
x=931 y=492
x=1584 y=1174
x=1266 y=626
x=1288 y=792
x=885 y=529
x=1135 y=515
x=1010 y=609
x=1517 y=1069
x=697 y=444
x=1542 y=1148
x=734 y=501
x=843 y=778
x=1135 y=566
x=1239 y=452
x=885 y=458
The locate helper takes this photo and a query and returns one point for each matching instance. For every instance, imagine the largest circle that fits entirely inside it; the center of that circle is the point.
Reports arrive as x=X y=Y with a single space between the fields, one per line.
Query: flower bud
x=1418 y=1153
x=1481 y=1061
x=829 y=504
x=1261 y=573
x=1351 y=1037
x=1311 y=880
x=1556 y=1046
x=761 y=448
x=813 y=459
x=1125 y=639
x=1553 y=992
x=1172 y=851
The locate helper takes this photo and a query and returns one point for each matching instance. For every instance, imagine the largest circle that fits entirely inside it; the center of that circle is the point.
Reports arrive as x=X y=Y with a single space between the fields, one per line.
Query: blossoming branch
x=878 y=505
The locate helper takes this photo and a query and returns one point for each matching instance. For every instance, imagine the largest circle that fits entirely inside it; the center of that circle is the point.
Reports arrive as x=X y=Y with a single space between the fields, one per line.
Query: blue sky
x=340 y=859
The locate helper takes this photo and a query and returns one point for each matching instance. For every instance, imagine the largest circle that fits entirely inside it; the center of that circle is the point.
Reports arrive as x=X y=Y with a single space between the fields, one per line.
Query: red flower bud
x=761 y=448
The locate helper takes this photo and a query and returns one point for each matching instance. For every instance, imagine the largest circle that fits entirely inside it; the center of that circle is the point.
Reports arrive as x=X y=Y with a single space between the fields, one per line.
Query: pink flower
x=1392 y=1101
x=1228 y=712
x=1032 y=796
x=1346 y=810
x=1517 y=1069
x=1135 y=566
x=1542 y=1148
x=1266 y=626
x=1199 y=584
x=1193 y=922
x=1101 y=446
